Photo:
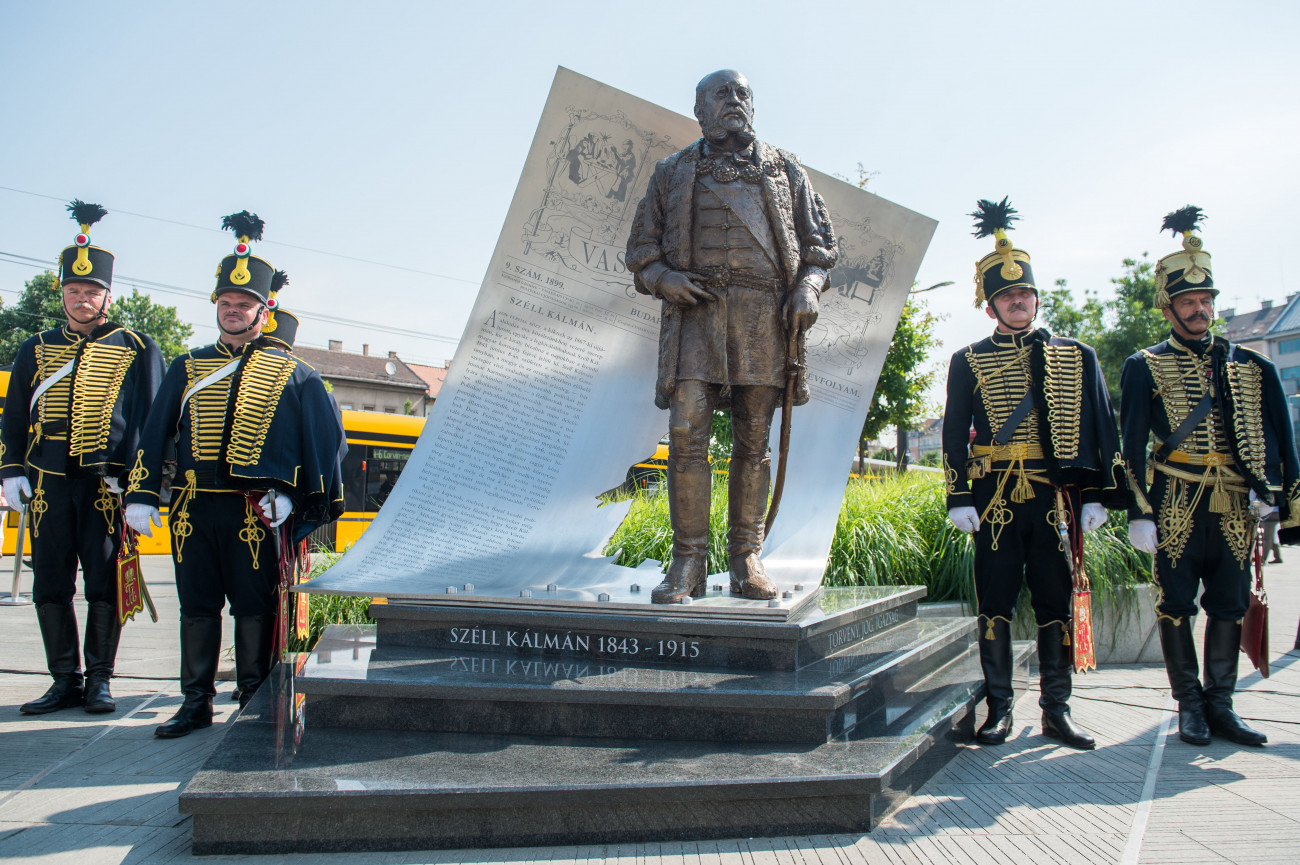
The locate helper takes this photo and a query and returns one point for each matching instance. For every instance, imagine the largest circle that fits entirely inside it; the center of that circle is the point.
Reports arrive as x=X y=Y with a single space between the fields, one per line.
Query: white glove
x=276 y=507
x=15 y=490
x=1261 y=508
x=139 y=516
x=1142 y=535
x=965 y=519
x=1094 y=515
x=112 y=485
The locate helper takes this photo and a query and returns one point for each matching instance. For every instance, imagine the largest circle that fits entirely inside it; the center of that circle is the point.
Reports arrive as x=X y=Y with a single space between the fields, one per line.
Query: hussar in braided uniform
x=1045 y=451
x=78 y=398
x=1223 y=457
x=257 y=440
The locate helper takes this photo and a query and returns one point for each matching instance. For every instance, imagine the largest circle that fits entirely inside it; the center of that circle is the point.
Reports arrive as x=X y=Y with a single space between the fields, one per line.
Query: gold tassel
x=1023 y=491
x=1065 y=636
x=988 y=634
x=1220 y=502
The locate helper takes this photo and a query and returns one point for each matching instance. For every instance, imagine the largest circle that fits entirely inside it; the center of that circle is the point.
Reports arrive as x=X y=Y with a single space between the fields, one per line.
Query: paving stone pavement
x=100 y=789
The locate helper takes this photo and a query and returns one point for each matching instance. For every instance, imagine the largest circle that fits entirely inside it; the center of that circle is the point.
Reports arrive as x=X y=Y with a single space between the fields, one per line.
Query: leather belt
x=726 y=277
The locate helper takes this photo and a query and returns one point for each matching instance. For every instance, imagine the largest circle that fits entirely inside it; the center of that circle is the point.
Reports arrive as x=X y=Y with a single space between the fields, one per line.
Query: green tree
x=138 y=312
x=1115 y=328
x=40 y=307
x=899 y=400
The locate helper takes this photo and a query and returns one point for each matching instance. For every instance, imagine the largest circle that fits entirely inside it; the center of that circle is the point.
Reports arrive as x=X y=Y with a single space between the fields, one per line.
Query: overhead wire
x=152 y=285
x=208 y=228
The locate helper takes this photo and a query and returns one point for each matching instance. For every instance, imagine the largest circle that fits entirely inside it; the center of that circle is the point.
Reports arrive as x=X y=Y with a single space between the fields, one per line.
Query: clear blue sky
x=395 y=132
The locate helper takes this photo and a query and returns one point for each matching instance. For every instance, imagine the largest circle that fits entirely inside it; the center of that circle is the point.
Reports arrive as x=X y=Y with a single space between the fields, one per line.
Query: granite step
x=355 y=683
x=280 y=783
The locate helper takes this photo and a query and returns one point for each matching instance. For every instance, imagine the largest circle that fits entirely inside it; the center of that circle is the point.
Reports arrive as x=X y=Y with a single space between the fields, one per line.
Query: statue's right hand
x=679 y=287
x=1142 y=535
x=965 y=519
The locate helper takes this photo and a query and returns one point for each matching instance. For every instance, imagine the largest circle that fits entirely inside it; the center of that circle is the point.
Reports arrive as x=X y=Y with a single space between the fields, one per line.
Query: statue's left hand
x=801 y=308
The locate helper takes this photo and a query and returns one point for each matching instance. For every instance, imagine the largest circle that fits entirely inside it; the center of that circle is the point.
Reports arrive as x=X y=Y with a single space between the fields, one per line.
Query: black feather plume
x=244 y=224
x=991 y=216
x=279 y=280
x=1183 y=219
x=86 y=214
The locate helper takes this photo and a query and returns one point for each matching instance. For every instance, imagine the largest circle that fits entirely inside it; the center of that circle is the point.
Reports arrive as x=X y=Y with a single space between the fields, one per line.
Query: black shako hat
x=82 y=262
x=1189 y=268
x=281 y=325
x=1005 y=267
x=243 y=271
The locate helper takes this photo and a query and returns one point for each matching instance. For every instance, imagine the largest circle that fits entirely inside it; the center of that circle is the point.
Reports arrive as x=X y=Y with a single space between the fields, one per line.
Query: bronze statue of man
x=735 y=242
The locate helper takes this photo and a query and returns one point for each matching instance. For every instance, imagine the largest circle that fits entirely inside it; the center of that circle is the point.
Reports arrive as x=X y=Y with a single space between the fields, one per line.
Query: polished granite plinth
x=831 y=621
x=369 y=745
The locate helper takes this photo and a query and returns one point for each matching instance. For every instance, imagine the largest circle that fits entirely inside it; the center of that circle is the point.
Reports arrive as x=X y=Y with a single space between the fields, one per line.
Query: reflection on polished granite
x=367 y=744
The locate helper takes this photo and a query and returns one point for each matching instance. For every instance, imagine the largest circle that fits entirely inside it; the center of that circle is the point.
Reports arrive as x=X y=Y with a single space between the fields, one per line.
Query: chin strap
x=1009 y=328
x=261 y=307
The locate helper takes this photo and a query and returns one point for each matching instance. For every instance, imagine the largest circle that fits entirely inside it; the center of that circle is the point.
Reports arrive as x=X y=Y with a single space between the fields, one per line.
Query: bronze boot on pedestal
x=1054 y=662
x=995 y=659
x=1222 y=646
x=747 y=506
x=59 y=633
x=1179 y=649
x=690 y=483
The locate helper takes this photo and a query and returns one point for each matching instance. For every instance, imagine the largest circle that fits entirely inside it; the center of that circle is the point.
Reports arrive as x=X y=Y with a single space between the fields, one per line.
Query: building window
x=1291 y=372
x=367 y=408
x=1288 y=346
x=347 y=406
x=388 y=409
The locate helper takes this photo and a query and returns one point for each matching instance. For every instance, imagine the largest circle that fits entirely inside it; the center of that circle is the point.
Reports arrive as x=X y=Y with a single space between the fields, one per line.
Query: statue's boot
x=1222 y=646
x=1179 y=649
x=995 y=659
x=59 y=634
x=103 y=629
x=1054 y=662
x=748 y=483
x=690 y=486
x=200 y=653
x=254 y=636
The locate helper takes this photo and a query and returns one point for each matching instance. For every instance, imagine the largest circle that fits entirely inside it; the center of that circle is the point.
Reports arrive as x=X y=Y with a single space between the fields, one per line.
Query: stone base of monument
x=449 y=728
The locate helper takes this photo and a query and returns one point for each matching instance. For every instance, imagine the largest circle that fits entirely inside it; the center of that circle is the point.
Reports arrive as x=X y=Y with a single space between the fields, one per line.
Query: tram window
x=383 y=467
x=354 y=479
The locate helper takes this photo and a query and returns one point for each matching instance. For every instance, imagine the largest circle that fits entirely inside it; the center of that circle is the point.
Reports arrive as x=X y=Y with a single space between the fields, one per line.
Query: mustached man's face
x=1016 y=308
x=1191 y=313
x=724 y=105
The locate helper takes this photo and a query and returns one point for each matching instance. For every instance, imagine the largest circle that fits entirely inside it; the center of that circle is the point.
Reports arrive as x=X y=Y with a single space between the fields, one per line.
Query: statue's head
x=724 y=105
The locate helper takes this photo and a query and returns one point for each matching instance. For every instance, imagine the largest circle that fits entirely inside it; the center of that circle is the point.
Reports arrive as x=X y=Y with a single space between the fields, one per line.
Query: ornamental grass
x=892 y=531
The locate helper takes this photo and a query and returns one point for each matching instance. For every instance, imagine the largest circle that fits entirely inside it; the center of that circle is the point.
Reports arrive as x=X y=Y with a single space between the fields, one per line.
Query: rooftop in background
x=434 y=375
x=335 y=364
x=1252 y=325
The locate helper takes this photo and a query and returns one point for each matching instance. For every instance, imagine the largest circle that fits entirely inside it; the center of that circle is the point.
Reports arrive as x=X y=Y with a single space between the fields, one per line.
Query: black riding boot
x=1179 y=649
x=200 y=651
x=253 y=638
x=59 y=633
x=102 y=633
x=1222 y=644
x=1054 y=662
x=995 y=659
